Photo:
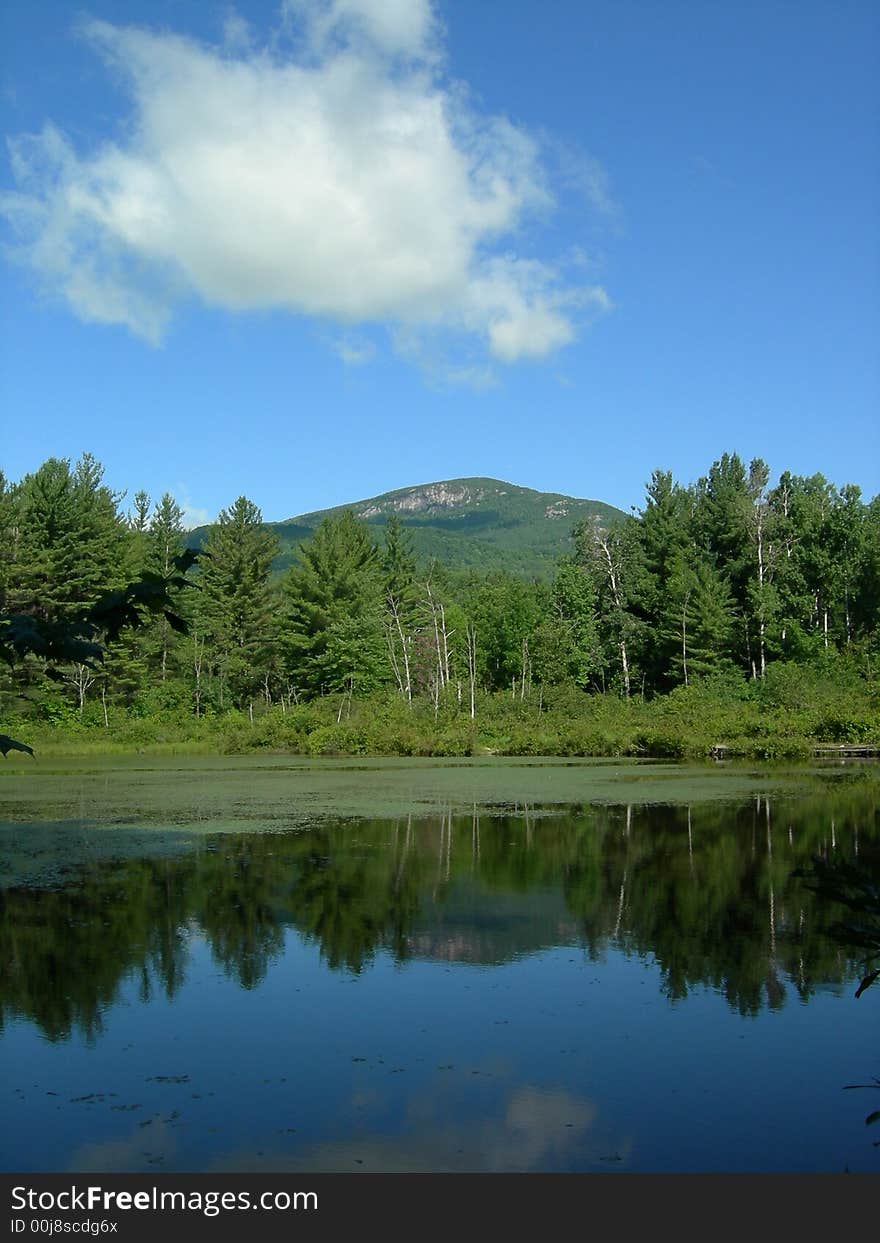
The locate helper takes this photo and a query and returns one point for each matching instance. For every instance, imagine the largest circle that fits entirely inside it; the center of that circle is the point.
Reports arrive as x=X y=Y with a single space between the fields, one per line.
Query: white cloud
x=395 y=27
x=346 y=179
x=237 y=34
x=193 y=515
x=355 y=351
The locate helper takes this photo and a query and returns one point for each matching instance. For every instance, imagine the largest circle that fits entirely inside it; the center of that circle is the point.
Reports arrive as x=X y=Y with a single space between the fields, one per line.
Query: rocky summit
x=475 y=523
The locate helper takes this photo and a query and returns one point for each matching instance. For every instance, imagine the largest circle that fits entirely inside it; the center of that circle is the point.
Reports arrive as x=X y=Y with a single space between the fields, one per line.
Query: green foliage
x=70 y=547
x=236 y=607
x=333 y=599
x=728 y=617
x=480 y=525
x=695 y=620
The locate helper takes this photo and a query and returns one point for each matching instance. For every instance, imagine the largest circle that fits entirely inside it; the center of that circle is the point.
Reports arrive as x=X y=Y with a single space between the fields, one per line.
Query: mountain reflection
x=707 y=891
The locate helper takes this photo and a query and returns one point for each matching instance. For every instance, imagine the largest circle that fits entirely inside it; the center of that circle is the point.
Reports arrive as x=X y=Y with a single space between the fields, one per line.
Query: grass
x=787 y=716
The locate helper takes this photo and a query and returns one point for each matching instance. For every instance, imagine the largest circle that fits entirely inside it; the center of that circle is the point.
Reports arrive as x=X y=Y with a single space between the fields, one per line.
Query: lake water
x=269 y=964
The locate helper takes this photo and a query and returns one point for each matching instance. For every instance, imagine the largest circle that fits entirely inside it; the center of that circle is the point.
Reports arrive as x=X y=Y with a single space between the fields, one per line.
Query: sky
x=314 y=250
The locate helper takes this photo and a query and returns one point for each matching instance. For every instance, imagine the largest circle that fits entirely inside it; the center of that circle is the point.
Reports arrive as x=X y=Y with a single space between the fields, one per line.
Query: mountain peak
x=475 y=523
x=472 y=522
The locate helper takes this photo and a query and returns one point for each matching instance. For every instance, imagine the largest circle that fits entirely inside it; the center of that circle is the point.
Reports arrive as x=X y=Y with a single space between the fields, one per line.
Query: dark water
x=559 y=985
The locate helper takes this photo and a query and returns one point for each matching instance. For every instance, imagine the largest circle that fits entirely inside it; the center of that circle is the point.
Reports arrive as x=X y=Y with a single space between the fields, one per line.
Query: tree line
x=721 y=578
x=614 y=873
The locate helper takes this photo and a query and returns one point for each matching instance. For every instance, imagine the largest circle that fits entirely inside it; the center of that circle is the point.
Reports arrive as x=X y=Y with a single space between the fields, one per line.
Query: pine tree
x=236 y=603
x=139 y=518
x=332 y=631
x=70 y=548
x=721 y=531
x=696 y=620
x=866 y=601
x=8 y=534
x=665 y=538
x=164 y=542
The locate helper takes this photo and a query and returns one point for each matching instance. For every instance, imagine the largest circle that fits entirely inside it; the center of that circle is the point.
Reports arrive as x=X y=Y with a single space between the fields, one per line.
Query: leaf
x=188 y=558
x=8 y=744
x=873 y=1117
x=175 y=622
x=62 y=642
x=867 y=982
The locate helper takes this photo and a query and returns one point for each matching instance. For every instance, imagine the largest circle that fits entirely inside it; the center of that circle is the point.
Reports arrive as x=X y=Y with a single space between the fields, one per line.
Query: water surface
x=275 y=965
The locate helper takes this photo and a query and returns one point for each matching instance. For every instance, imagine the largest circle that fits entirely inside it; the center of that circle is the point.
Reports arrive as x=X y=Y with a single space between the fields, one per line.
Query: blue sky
x=316 y=250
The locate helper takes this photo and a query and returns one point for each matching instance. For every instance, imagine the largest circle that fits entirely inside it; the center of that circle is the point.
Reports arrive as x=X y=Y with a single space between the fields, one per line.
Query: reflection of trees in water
x=235 y=906
x=707 y=891
x=357 y=896
x=64 y=952
x=854 y=886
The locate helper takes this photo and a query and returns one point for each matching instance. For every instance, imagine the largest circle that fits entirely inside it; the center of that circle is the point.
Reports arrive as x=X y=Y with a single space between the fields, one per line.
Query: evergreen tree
x=8 y=529
x=164 y=542
x=666 y=540
x=696 y=619
x=332 y=630
x=806 y=563
x=761 y=594
x=866 y=604
x=848 y=534
x=139 y=518
x=721 y=529
x=236 y=603
x=399 y=564
x=71 y=546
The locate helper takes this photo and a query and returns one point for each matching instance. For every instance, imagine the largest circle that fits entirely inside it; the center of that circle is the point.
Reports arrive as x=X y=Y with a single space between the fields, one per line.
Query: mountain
x=482 y=925
x=484 y=524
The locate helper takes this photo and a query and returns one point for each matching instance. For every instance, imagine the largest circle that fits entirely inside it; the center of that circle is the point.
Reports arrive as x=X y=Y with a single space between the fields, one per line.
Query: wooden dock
x=844 y=749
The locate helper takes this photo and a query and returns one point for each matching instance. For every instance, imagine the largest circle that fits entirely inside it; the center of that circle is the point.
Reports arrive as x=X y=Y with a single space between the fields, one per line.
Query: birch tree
x=401 y=603
x=611 y=557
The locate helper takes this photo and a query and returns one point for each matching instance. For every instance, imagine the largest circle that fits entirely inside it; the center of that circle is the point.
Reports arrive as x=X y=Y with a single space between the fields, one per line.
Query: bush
x=842 y=727
x=341 y=739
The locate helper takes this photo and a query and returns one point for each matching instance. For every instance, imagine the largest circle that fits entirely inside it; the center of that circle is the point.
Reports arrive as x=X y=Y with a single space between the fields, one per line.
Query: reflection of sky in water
x=548 y=1062
x=215 y=972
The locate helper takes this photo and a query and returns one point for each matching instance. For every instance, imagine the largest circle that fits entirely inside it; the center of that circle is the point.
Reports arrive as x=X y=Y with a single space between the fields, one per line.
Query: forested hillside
x=481 y=524
x=725 y=611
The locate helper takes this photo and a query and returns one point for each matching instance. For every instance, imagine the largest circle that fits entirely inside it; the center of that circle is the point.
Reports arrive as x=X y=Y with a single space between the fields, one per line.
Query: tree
x=164 y=542
x=721 y=535
x=71 y=546
x=236 y=601
x=400 y=595
x=504 y=611
x=80 y=640
x=696 y=619
x=139 y=519
x=332 y=633
x=8 y=534
x=665 y=538
x=565 y=644
x=611 y=557
x=762 y=596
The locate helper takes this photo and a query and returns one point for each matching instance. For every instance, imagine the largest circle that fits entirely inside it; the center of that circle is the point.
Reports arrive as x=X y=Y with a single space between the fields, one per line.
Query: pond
x=268 y=964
